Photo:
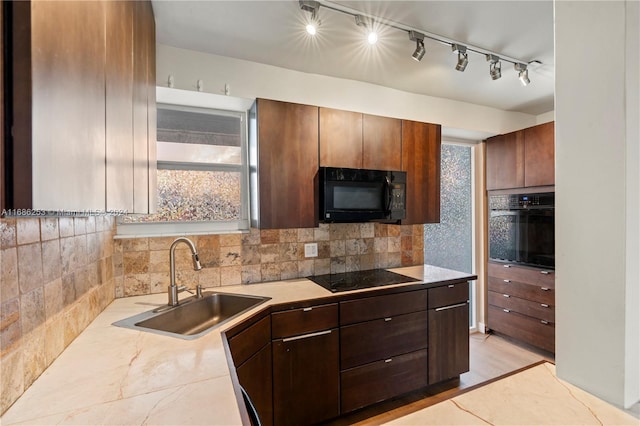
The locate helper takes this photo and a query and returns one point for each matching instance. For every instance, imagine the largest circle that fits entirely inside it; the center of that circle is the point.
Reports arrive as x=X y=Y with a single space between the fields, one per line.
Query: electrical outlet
x=311 y=250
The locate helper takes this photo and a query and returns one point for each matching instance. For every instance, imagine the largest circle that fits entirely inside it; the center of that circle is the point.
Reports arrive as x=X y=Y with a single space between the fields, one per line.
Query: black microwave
x=361 y=195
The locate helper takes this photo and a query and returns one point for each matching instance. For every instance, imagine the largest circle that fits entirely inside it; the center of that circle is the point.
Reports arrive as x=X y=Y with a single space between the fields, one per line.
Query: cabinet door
x=306 y=378
x=340 y=138
x=448 y=342
x=381 y=143
x=539 y=149
x=505 y=161
x=421 y=161
x=287 y=165
x=256 y=378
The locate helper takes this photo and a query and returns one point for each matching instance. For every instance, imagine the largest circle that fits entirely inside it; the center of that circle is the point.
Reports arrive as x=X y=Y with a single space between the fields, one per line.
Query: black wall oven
x=521 y=229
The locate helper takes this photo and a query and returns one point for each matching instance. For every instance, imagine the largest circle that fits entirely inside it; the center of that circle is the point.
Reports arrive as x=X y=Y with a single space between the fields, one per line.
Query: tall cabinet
x=82 y=107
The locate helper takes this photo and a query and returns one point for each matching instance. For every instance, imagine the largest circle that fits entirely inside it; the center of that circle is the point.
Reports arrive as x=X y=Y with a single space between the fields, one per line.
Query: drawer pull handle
x=544 y=322
x=507 y=281
x=544 y=305
x=544 y=288
x=306 y=309
x=388 y=360
x=506 y=266
x=388 y=319
x=506 y=295
x=545 y=272
x=306 y=336
x=451 y=285
x=444 y=308
x=506 y=310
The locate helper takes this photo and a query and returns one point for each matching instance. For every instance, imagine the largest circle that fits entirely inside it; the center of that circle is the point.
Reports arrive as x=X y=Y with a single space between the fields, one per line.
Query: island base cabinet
x=448 y=342
x=306 y=375
x=381 y=380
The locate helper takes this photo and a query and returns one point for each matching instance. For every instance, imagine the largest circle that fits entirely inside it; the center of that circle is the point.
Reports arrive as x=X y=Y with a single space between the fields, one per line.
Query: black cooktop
x=359 y=279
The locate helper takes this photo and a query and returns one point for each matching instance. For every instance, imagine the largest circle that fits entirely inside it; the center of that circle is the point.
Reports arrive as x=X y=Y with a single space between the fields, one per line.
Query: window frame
x=198 y=101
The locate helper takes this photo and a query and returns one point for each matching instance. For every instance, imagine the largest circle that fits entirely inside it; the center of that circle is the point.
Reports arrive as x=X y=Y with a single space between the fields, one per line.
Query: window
x=202 y=172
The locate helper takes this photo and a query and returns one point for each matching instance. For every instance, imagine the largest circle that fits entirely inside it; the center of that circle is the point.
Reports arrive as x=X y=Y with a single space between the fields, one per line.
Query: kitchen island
x=113 y=375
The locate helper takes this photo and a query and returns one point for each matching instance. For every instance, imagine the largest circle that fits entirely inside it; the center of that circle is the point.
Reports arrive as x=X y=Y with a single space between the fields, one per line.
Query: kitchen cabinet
x=359 y=141
x=306 y=380
x=252 y=357
x=383 y=347
x=284 y=164
x=421 y=151
x=524 y=158
x=448 y=331
x=72 y=92
x=522 y=303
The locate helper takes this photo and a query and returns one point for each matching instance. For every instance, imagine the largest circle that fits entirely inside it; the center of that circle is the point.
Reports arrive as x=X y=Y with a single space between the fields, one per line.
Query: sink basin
x=193 y=317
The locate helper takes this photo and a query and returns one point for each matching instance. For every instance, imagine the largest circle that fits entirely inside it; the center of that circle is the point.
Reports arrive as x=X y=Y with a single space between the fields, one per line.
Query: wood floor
x=491 y=356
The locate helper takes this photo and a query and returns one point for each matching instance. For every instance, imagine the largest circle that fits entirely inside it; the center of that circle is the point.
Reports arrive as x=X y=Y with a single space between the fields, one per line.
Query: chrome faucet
x=173 y=289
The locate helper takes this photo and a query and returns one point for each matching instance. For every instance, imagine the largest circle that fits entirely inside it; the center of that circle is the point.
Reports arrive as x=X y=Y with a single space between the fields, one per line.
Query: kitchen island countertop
x=113 y=375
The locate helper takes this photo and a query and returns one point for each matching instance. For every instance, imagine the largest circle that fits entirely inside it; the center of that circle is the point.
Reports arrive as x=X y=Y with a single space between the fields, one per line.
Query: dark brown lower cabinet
x=255 y=376
x=306 y=378
x=448 y=341
x=384 y=379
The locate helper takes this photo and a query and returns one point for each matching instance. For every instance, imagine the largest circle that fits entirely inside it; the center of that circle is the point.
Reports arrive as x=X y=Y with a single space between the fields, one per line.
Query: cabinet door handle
x=506 y=310
x=444 y=308
x=506 y=295
x=544 y=305
x=507 y=281
x=388 y=319
x=544 y=288
x=544 y=322
x=545 y=272
x=506 y=266
x=306 y=336
x=451 y=285
x=307 y=309
x=388 y=360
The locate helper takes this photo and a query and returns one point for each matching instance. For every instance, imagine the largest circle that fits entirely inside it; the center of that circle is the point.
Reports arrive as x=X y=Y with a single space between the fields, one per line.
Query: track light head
x=363 y=21
x=418 y=54
x=463 y=59
x=495 y=66
x=312 y=7
x=523 y=73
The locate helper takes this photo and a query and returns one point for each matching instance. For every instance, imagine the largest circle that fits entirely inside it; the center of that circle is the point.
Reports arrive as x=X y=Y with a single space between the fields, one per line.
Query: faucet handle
x=184 y=288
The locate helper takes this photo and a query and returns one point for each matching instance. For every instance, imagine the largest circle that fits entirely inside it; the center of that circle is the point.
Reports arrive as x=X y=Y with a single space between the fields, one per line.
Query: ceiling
x=272 y=32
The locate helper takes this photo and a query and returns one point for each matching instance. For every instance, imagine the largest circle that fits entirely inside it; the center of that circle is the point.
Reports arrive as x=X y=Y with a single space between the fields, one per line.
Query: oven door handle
x=387 y=183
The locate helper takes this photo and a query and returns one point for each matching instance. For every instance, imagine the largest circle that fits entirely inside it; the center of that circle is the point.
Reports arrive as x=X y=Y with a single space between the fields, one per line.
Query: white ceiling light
x=363 y=21
x=312 y=7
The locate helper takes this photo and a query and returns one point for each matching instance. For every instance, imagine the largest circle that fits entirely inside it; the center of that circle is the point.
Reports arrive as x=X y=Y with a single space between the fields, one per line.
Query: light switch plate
x=311 y=250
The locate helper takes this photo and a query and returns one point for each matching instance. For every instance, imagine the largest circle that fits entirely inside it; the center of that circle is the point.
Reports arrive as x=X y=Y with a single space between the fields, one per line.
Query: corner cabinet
x=521 y=159
x=83 y=85
x=283 y=165
x=421 y=152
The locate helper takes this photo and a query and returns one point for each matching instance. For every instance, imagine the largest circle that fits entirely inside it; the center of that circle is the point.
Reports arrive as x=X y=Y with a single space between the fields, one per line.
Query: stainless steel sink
x=193 y=317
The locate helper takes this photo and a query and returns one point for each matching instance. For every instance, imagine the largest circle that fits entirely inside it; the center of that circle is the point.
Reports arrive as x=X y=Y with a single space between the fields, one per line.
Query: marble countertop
x=114 y=375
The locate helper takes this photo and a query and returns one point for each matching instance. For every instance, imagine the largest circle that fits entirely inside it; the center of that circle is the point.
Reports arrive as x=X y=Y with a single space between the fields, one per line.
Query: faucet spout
x=173 y=289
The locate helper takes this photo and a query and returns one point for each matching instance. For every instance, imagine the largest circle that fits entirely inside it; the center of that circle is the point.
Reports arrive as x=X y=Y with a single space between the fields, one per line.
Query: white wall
x=251 y=80
x=597 y=187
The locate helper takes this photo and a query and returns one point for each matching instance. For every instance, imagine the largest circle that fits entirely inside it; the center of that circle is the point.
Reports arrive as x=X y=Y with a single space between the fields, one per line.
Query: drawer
x=522 y=306
x=304 y=320
x=527 y=329
x=535 y=276
x=382 y=338
x=446 y=295
x=536 y=293
x=249 y=341
x=353 y=311
x=381 y=380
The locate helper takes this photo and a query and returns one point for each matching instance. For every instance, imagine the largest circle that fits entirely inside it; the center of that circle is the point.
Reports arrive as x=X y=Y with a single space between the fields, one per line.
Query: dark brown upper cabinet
x=359 y=141
x=287 y=143
x=520 y=159
x=72 y=104
x=421 y=151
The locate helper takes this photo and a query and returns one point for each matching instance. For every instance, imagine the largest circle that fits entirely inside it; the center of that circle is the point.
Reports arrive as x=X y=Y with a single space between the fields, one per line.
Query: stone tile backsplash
x=56 y=276
x=141 y=265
